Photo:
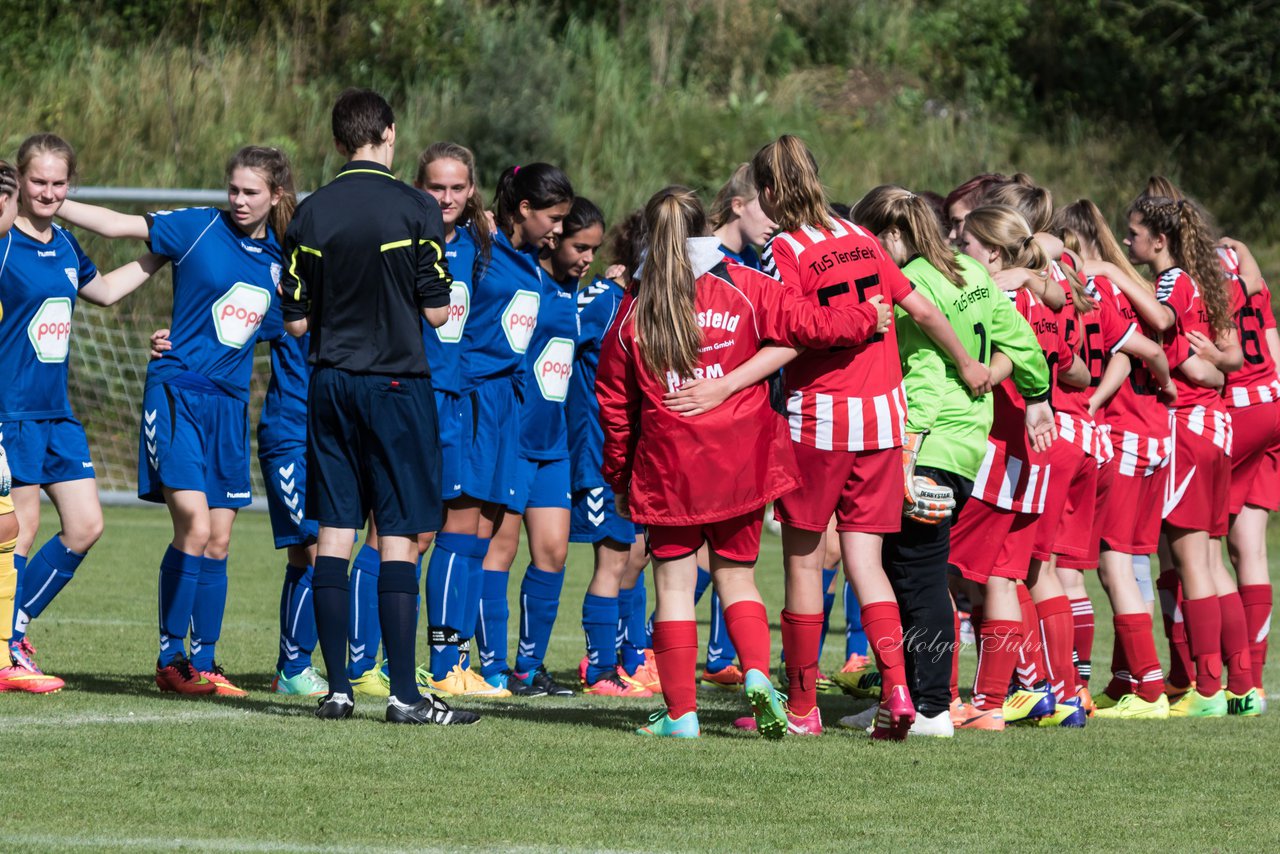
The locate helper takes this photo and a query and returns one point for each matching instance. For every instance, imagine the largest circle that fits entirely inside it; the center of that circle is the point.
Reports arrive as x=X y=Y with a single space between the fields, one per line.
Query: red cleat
x=179 y=677
x=895 y=716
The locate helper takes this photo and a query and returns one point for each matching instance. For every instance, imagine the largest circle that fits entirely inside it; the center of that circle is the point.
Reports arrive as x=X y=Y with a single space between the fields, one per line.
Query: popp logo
x=50 y=330
x=459 y=309
x=552 y=369
x=239 y=313
x=519 y=319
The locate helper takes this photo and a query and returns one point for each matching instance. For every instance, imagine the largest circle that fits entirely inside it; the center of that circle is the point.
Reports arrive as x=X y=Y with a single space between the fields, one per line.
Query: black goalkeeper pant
x=915 y=561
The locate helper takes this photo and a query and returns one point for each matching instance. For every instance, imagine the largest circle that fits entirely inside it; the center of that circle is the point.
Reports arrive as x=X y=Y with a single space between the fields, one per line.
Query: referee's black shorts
x=373 y=446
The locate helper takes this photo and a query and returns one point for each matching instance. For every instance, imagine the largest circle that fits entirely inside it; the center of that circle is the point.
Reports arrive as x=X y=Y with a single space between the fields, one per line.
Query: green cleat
x=1196 y=705
x=766 y=705
x=1246 y=705
x=1131 y=707
x=863 y=684
x=662 y=726
x=308 y=683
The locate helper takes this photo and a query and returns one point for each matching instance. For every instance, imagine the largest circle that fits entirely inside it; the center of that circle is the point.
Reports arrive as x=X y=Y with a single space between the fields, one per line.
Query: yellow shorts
x=6 y=504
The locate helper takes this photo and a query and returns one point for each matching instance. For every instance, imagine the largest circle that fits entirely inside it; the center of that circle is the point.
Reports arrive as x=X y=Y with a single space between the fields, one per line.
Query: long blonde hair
x=1006 y=230
x=666 y=324
x=789 y=170
x=889 y=206
x=739 y=186
x=1083 y=219
x=1035 y=203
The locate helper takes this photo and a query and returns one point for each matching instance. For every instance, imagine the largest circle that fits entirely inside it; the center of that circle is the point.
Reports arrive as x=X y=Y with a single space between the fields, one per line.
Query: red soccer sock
x=1235 y=644
x=1134 y=635
x=1056 y=630
x=1203 y=618
x=1121 y=682
x=748 y=627
x=1031 y=667
x=883 y=624
x=675 y=646
x=998 y=642
x=1175 y=628
x=801 y=634
x=1082 y=639
x=1257 y=620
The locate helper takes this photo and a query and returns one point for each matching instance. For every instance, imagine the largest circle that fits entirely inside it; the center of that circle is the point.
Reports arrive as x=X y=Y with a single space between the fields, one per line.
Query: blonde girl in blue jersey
x=194 y=438
x=43 y=271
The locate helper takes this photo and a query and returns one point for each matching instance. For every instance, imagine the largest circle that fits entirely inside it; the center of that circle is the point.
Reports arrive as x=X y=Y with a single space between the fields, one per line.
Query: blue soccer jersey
x=284 y=409
x=39 y=283
x=597 y=307
x=748 y=257
x=224 y=285
x=504 y=312
x=445 y=354
x=550 y=360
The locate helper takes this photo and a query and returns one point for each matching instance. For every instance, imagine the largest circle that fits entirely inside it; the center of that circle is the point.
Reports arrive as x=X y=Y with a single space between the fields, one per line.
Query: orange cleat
x=730 y=678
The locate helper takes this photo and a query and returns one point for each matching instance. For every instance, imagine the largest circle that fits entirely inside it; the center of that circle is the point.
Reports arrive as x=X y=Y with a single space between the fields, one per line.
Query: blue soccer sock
x=179 y=578
x=625 y=597
x=539 y=604
x=297 y=621
x=855 y=639
x=398 y=614
x=828 y=600
x=700 y=586
x=492 y=627
x=631 y=611
x=720 y=649
x=19 y=570
x=46 y=573
x=362 y=614
x=206 y=615
x=471 y=605
x=332 y=597
x=641 y=635
x=447 y=579
x=600 y=623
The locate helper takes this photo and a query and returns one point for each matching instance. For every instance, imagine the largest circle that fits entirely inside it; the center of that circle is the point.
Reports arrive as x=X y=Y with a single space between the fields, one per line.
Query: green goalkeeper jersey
x=937 y=398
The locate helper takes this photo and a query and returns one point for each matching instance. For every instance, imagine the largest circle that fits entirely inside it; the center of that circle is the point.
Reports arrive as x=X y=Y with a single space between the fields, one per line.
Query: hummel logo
x=286 y=471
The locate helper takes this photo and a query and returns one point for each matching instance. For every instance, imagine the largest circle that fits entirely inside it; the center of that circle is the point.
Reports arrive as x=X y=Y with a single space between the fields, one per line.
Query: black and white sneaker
x=542 y=680
x=524 y=687
x=428 y=710
x=335 y=707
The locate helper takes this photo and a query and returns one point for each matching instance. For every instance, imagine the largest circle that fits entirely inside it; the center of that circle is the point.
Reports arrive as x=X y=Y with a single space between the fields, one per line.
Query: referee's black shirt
x=362 y=258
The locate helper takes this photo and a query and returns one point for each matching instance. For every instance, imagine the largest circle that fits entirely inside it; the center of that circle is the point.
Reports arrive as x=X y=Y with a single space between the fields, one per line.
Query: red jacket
x=680 y=470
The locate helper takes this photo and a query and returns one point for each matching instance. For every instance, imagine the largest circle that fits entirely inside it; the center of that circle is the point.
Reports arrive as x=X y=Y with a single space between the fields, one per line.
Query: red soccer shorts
x=1254 y=450
x=736 y=539
x=988 y=541
x=1129 y=508
x=1199 y=487
x=1076 y=543
x=862 y=488
x=1067 y=463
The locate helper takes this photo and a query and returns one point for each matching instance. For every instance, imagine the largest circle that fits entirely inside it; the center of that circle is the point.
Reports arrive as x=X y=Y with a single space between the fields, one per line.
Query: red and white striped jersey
x=1013 y=476
x=842 y=398
x=1176 y=289
x=1134 y=409
x=1208 y=421
x=1256 y=382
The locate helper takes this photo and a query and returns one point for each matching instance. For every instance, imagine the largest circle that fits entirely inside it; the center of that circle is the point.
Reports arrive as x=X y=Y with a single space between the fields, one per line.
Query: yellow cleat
x=1196 y=705
x=478 y=687
x=1132 y=707
x=372 y=683
x=1246 y=705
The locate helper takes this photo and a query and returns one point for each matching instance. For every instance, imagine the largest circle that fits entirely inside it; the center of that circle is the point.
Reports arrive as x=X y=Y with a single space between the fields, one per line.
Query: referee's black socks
x=329 y=589
x=398 y=616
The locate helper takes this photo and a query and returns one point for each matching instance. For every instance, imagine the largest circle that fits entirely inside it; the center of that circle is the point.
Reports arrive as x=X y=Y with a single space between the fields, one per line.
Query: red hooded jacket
x=679 y=470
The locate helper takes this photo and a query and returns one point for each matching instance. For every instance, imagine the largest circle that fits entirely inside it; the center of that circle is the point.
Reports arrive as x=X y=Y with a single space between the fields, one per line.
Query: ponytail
x=273 y=165
x=473 y=216
x=889 y=206
x=666 y=325
x=1021 y=193
x=540 y=184
x=789 y=170
x=1191 y=244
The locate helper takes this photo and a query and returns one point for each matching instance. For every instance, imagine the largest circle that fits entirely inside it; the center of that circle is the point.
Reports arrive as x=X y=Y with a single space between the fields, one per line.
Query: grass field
x=108 y=763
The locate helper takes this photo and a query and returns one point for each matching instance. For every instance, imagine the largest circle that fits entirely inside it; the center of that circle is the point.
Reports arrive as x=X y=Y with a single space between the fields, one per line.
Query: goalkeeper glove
x=923 y=498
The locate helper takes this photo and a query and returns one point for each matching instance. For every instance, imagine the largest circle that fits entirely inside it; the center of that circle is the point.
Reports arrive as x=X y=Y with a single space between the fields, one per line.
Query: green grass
x=109 y=763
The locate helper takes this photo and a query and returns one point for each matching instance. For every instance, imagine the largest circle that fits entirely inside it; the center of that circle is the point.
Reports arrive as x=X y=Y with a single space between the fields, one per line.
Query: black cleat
x=428 y=710
x=335 y=707
x=519 y=688
x=543 y=681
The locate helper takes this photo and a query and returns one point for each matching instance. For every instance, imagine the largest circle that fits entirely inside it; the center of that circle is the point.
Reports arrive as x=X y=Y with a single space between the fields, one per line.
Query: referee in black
x=364 y=266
